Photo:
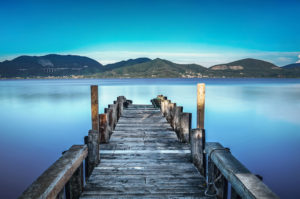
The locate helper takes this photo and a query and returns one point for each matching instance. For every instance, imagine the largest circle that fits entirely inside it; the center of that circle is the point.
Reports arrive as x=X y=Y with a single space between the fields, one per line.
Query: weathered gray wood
x=246 y=184
x=109 y=117
x=114 y=115
x=75 y=185
x=144 y=158
x=185 y=127
x=197 y=149
x=93 y=151
x=53 y=180
x=215 y=177
x=61 y=194
x=176 y=120
x=169 y=117
x=94 y=107
x=120 y=100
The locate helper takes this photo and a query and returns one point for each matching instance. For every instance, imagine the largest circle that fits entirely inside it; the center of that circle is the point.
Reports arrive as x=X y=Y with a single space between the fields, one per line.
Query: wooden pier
x=147 y=151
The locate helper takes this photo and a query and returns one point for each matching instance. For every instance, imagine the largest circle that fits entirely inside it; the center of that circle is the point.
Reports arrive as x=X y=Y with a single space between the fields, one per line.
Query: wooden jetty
x=147 y=151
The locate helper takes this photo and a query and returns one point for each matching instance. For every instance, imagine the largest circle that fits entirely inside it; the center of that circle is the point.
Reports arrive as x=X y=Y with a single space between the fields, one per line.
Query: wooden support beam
x=200 y=105
x=52 y=182
x=75 y=185
x=197 y=148
x=176 y=121
x=93 y=151
x=216 y=177
x=246 y=184
x=94 y=108
x=185 y=127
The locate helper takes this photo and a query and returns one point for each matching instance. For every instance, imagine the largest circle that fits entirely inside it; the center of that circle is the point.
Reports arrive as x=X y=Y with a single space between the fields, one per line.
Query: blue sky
x=203 y=32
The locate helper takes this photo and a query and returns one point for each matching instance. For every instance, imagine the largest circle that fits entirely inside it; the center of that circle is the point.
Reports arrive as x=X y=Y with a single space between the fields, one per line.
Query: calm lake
x=259 y=119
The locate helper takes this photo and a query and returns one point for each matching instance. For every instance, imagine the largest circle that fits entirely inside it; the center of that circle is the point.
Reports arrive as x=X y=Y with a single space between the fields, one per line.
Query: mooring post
x=93 y=151
x=169 y=112
x=197 y=139
x=172 y=114
x=103 y=131
x=120 y=100
x=176 y=120
x=94 y=107
x=185 y=127
x=200 y=105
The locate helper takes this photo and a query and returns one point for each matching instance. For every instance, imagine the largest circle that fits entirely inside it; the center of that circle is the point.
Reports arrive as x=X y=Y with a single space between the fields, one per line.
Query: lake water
x=259 y=119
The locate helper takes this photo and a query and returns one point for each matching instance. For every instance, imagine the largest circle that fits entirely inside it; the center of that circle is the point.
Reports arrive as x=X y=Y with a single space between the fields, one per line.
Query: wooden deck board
x=144 y=159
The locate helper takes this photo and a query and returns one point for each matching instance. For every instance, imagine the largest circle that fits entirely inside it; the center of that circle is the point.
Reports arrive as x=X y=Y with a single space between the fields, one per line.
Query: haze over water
x=259 y=119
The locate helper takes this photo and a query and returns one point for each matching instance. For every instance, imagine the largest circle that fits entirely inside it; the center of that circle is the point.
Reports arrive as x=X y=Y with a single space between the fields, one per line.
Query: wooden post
x=109 y=120
x=173 y=109
x=94 y=107
x=197 y=148
x=75 y=185
x=103 y=132
x=169 y=112
x=176 y=121
x=93 y=151
x=120 y=100
x=185 y=127
x=114 y=114
x=200 y=105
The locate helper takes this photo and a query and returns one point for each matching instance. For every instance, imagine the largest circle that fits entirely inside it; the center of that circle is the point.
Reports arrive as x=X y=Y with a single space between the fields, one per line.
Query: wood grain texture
x=52 y=181
x=94 y=107
x=200 y=105
x=144 y=159
x=246 y=184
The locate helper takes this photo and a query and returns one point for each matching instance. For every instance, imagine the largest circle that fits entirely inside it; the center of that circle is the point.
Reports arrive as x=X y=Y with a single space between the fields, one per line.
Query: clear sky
x=205 y=32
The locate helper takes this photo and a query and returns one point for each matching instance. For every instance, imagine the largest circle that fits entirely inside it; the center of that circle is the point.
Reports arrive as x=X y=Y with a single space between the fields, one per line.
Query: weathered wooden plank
x=246 y=184
x=144 y=156
x=53 y=180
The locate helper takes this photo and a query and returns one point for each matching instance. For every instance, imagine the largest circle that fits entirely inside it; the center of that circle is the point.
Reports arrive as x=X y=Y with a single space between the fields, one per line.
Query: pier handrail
x=52 y=182
x=66 y=175
x=244 y=183
x=222 y=167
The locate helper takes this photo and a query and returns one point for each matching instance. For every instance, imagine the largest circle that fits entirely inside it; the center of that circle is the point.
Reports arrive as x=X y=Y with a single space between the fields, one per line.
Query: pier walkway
x=147 y=151
x=144 y=159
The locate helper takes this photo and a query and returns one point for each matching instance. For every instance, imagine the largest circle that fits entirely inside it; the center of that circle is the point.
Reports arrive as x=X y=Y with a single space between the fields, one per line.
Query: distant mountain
x=128 y=62
x=73 y=66
x=49 y=65
x=247 y=68
x=156 y=68
x=295 y=65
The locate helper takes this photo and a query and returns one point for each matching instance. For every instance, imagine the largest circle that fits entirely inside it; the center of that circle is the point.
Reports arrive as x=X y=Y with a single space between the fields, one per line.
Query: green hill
x=247 y=68
x=49 y=65
x=72 y=66
x=157 y=68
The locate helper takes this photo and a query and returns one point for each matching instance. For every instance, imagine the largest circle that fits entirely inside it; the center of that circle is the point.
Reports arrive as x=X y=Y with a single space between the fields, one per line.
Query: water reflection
x=257 y=118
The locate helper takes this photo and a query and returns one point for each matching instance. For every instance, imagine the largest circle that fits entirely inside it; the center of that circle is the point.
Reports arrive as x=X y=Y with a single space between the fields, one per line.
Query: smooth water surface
x=259 y=119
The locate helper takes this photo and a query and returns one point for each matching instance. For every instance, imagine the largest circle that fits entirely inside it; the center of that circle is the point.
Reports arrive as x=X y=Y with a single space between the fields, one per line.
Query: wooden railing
x=212 y=160
x=65 y=177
